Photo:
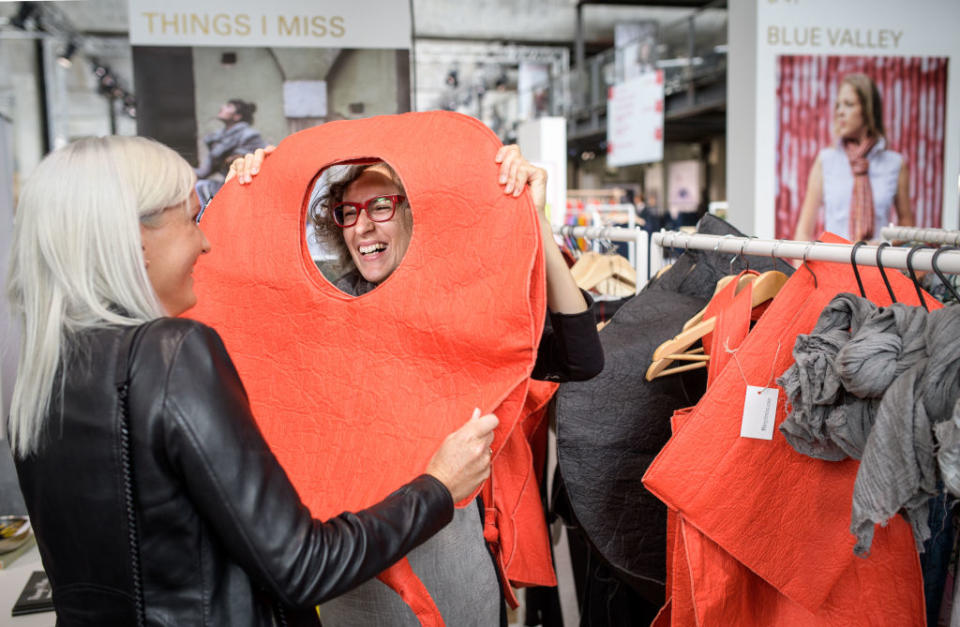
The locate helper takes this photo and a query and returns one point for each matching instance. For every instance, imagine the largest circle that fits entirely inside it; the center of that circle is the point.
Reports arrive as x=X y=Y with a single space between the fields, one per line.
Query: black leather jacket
x=224 y=538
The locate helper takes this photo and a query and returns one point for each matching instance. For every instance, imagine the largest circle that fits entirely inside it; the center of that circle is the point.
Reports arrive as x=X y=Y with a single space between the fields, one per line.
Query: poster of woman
x=859 y=144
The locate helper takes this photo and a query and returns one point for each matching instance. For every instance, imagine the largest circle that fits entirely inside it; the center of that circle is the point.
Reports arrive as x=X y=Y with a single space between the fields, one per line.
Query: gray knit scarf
x=875 y=384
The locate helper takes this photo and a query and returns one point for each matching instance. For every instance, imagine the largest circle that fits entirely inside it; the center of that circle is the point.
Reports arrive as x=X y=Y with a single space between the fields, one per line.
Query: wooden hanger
x=615 y=286
x=767 y=286
x=615 y=264
x=594 y=268
x=685 y=339
x=745 y=278
x=764 y=287
x=659 y=368
x=675 y=349
x=583 y=265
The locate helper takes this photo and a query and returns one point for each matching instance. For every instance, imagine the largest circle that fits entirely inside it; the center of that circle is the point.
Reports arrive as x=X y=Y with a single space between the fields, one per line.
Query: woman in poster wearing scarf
x=858 y=182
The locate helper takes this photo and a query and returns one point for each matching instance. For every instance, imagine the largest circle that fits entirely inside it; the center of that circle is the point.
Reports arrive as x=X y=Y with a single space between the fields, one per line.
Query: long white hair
x=77 y=259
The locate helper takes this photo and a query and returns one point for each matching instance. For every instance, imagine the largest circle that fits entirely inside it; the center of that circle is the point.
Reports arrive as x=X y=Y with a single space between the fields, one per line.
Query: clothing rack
x=638 y=238
x=915 y=234
x=612 y=233
x=596 y=211
x=891 y=256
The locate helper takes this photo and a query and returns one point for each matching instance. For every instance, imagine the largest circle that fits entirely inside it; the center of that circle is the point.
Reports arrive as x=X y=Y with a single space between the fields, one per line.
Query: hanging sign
x=635 y=120
x=279 y=23
x=789 y=62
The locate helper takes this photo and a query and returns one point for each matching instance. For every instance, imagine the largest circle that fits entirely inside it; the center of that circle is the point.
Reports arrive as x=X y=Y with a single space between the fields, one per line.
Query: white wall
x=364 y=76
x=742 y=114
x=544 y=142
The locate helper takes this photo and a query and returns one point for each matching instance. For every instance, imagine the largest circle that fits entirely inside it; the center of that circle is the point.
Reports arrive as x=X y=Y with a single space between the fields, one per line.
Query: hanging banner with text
x=382 y=24
x=831 y=75
x=635 y=120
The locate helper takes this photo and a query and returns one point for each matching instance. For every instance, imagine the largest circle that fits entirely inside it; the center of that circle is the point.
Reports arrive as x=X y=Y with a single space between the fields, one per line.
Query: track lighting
x=65 y=58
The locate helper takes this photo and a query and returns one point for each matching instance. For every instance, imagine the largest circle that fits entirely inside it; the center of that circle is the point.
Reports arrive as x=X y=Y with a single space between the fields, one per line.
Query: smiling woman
x=360 y=213
x=430 y=334
x=172 y=242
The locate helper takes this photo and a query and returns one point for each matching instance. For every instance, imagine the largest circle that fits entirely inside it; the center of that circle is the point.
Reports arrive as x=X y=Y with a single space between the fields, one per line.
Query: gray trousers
x=456 y=568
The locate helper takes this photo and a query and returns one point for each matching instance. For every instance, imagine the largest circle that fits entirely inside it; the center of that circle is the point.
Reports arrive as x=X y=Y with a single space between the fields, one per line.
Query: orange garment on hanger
x=761 y=532
x=733 y=314
x=354 y=394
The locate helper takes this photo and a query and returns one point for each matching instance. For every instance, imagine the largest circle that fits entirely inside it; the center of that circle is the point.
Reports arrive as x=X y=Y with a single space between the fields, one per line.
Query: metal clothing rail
x=612 y=233
x=595 y=210
x=948 y=261
x=915 y=234
x=638 y=239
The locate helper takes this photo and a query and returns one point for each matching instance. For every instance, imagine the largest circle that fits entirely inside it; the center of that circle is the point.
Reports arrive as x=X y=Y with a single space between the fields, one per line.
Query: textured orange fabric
x=733 y=314
x=354 y=394
x=677 y=575
x=722 y=591
x=720 y=301
x=763 y=530
x=401 y=578
x=515 y=527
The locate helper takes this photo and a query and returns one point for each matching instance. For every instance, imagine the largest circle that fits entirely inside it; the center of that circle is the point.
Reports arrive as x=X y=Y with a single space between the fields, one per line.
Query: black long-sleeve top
x=570 y=348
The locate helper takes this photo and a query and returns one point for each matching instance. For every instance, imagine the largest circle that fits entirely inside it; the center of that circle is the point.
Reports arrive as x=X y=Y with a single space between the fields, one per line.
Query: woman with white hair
x=153 y=495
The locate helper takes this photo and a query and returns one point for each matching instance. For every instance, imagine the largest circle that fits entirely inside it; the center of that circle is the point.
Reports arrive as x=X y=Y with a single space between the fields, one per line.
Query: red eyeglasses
x=378 y=208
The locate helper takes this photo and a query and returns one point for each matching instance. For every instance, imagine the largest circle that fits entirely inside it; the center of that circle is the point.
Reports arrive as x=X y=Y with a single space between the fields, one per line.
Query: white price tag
x=759 y=413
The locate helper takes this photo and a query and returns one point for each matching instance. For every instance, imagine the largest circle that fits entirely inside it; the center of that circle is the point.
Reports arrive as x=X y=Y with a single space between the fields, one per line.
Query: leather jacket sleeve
x=212 y=441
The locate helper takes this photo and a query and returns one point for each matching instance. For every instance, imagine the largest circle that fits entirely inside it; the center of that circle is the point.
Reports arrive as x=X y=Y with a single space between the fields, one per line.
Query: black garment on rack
x=610 y=428
x=604 y=598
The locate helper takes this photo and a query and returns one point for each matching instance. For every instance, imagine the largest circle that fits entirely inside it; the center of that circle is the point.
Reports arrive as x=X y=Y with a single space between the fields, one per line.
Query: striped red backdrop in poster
x=913 y=91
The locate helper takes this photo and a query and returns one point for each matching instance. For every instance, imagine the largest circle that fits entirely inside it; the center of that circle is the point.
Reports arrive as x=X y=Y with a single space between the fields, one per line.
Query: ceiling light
x=64 y=58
